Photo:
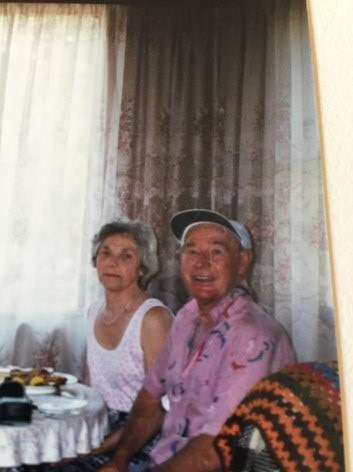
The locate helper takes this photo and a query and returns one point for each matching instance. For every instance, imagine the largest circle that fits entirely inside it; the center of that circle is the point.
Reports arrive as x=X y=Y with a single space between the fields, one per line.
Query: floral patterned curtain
x=218 y=112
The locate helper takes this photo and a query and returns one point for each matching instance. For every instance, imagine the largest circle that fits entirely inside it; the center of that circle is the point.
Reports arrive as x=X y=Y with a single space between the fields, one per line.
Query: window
x=55 y=159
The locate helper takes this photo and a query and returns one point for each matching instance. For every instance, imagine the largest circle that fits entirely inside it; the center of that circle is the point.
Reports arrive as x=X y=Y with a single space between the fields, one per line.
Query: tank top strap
x=136 y=321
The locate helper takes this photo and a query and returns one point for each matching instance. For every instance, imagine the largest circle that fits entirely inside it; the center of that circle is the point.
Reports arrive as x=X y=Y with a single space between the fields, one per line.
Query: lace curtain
x=60 y=91
x=218 y=112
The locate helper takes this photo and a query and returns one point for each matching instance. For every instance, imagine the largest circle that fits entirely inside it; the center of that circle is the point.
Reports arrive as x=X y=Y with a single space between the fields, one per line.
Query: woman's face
x=212 y=263
x=118 y=262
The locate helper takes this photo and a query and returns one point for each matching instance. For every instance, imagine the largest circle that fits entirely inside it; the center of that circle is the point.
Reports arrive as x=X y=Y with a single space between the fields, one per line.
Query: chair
x=289 y=421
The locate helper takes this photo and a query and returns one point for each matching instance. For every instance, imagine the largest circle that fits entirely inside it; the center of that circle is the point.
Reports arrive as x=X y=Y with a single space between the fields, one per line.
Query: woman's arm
x=155 y=326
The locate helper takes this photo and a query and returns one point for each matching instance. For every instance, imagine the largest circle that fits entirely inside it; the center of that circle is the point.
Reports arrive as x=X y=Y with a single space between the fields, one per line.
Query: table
x=53 y=437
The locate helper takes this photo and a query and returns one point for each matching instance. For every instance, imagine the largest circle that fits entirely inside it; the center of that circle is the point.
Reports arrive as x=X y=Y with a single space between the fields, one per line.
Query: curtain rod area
x=200 y=3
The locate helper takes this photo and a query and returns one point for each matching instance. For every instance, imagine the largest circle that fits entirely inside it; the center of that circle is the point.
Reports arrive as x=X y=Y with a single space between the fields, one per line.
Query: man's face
x=212 y=263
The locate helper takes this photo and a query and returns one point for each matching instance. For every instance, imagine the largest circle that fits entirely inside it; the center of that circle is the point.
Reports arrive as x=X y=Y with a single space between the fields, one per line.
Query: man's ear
x=244 y=263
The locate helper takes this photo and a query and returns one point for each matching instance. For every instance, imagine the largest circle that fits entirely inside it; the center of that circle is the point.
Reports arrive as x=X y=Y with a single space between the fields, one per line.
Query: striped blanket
x=297 y=413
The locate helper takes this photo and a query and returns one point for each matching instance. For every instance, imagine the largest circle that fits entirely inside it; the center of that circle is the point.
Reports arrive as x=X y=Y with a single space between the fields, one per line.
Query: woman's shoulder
x=153 y=301
x=156 y=312
x=155 y=305
x=156 y=323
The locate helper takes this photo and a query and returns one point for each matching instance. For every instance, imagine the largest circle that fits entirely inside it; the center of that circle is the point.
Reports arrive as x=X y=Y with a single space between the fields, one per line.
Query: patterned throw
x=298 y=413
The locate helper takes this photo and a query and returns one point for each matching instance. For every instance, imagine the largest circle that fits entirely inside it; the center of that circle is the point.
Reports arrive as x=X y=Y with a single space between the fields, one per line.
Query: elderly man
x=220 y=344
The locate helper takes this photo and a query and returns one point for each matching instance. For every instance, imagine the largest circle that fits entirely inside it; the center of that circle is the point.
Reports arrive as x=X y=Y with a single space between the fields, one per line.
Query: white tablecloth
x=50 y=438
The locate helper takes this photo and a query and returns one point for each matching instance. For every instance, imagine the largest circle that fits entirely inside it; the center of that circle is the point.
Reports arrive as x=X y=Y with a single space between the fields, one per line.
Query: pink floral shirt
x=243 y=345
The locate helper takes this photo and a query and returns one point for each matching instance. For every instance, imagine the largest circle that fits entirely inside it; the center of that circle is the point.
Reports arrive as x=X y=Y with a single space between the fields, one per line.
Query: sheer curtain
x=218 y=112
x=60 y=91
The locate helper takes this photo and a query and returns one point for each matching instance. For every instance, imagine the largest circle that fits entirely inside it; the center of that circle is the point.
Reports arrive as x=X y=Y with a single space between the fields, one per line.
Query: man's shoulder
x=248 y=316
x=244 y=305
x=188 y=309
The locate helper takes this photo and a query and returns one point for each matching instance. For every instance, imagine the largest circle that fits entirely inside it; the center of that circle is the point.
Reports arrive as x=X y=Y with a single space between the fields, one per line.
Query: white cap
x=181 y=222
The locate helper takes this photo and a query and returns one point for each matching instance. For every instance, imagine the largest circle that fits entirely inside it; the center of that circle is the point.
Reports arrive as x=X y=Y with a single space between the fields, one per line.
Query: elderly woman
x=126 y=328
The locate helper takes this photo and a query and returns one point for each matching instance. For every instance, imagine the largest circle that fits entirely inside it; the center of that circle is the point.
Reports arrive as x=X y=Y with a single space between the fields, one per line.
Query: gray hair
x=144 y=237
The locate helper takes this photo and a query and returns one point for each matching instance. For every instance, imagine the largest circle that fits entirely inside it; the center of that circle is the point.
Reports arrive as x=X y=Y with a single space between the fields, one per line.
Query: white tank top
x=118 y=373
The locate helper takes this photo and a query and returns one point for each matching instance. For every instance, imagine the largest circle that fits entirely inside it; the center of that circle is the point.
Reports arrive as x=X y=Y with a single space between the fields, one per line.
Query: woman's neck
x=115 y=300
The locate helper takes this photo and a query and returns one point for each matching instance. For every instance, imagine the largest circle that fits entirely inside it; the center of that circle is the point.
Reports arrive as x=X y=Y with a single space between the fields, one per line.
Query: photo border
x=331 y=38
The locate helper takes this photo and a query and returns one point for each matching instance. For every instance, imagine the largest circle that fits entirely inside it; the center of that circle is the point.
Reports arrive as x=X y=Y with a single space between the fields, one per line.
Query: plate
x=61 y=405
x=44 y=389
x=39 y=389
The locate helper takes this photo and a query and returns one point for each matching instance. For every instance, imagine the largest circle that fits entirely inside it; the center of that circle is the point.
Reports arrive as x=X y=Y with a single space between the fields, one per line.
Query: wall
x=331 y=35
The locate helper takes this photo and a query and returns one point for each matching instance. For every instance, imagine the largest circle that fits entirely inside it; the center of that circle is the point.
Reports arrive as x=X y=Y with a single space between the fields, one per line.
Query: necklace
x=108 y=317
